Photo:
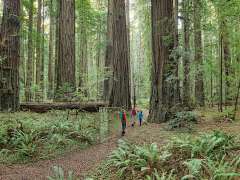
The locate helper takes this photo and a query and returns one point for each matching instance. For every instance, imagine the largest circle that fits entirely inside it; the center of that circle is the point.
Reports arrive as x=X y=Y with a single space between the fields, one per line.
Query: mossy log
x=44 y=107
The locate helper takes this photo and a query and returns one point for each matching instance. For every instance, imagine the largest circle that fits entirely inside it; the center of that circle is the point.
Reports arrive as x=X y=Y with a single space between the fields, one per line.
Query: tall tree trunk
x=221 y=58
x=109 y=51
x=83 y=58
x=43 y=52
x=120 y=94
x=10 y=52
x=50 y=75
x=128 y=41
x=176 y=87
x=28 y=93
x=227 y=59
x=186 y=56
x=38 y=41
x=199 y=85
x=162 y=98
x=66 y=58
x=99 y=50
x=56 y=49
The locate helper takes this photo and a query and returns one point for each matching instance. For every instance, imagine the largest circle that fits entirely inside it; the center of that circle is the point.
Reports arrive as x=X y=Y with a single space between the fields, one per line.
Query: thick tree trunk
x=66 y=55
x=38 y=42
x=199 y=88
x=83 y=57
x=56 y=49
x=10 y=52
x=186 y=56
x=43 y=52
x=162 y=98
x=28 y=93
x=227 y=60
x=128 y=40
x=177 y=85
x=109 y=51
x=50 y=75
x=120 y=94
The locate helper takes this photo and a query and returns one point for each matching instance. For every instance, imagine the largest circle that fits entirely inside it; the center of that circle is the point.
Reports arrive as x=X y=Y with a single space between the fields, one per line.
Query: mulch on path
x=77 y=162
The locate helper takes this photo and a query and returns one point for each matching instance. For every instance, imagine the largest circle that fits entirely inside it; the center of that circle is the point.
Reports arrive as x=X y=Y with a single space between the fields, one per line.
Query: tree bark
x=199 y=85
x=50 y=75
x=44 y=107
x=109 y=51
x=177 y=86
x=186 y=56
x=38 y=42
x=227 y=60
x=56 y=49
x=120 y=93
x=10 y=52
x=220 y=56
x=162 y=98
x=83 y=57
x=66 y=57
x=128 y=40
x=43 y=52
x=29 y=79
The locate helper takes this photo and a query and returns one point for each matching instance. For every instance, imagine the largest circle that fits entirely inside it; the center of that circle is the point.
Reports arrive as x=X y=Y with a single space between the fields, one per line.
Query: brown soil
x=78 y=162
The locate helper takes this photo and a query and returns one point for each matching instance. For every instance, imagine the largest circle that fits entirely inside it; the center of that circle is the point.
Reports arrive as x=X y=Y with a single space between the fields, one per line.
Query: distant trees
x=9 y=56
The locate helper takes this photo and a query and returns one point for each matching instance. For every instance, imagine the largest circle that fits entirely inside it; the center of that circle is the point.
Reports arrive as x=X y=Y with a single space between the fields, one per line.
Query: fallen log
x=41 y=107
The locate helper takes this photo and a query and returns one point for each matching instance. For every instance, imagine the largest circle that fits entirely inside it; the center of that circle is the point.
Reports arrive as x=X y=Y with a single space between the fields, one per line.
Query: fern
x=216 y=170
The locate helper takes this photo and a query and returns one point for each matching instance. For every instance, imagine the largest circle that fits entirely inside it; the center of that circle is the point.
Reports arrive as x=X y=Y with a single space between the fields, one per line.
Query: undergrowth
x=212 y=156
x=29 y=137
x=181 y=119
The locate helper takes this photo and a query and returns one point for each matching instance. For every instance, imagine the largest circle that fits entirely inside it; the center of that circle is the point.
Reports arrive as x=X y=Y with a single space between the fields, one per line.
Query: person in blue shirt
x=140 y=115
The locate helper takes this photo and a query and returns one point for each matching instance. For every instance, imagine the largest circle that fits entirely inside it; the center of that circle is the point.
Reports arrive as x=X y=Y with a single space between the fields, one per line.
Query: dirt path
x=78 y=162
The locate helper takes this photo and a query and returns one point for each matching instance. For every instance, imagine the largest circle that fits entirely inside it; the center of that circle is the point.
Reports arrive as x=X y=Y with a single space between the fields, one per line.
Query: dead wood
x=44 y=107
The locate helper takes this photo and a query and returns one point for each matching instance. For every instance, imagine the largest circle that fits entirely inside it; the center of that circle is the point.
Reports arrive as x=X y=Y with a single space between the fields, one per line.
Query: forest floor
x=78 y=162
x=85 y=160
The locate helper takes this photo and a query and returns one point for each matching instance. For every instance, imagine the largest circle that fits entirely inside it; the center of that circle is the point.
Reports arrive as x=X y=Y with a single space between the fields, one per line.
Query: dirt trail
x=78 y=162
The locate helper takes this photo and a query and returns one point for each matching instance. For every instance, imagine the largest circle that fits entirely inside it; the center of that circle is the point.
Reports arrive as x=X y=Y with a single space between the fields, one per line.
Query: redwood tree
x=38 y=42
x=50 y=74
x=66 y=49
x=186 y=56
x=10 y=52
x=29 y=79
x=199 y=88
x=162 y=96
x=120 y=93
x=109 y=52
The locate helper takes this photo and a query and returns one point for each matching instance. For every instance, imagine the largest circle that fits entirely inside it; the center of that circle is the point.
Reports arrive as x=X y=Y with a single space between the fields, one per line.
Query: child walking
x=123 y=120
x=140 y=117
x=133 y=114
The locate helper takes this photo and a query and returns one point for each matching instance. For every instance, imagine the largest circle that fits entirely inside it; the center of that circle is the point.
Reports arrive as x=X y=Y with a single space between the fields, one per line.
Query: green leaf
x=144 y=168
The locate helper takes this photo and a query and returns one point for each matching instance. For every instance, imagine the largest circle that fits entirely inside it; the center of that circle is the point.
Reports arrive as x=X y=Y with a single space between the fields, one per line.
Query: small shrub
x=180 y=119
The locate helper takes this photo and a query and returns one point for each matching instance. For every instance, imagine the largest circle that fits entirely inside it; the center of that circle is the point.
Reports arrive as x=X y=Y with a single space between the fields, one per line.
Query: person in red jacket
x=124 y=121
x=133 y=114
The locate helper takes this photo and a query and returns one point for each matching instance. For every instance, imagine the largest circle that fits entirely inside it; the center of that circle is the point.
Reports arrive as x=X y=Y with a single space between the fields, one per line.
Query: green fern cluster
x=28 y=136
x=180 y=119
x=134 y=162
x=206 y=157
x=213 y=145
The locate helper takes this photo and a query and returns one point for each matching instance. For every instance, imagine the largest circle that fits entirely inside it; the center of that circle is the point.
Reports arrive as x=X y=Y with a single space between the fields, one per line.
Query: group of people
x=133 y=114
